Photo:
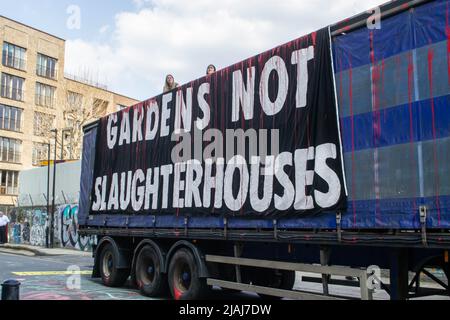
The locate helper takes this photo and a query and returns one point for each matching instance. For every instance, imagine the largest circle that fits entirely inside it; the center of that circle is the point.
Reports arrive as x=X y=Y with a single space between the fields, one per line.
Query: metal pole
x=62 y=145
x=48 y=186
x=71 y=145
x=52 y=213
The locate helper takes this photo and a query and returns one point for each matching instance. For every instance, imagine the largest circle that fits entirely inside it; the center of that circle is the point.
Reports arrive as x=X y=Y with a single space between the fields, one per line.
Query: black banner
x=257 y=139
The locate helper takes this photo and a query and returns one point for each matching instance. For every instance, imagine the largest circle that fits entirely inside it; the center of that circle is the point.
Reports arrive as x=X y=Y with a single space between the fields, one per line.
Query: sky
x=130 y=45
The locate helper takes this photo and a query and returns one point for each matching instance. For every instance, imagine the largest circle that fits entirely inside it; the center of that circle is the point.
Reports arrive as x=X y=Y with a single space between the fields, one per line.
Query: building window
x=74 y=100
x=46 y=66
x=12 y=87
x=10 y=118
x=45 y=95
x=40 y=153
x=43 y=124
x=9 y=181
x=99 y=108
x=14 y=56
x=10 y=150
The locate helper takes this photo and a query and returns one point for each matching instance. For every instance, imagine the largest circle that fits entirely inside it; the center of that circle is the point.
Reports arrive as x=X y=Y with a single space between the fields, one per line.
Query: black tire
x=184 y=280
x=149 y=277
x=111 y=275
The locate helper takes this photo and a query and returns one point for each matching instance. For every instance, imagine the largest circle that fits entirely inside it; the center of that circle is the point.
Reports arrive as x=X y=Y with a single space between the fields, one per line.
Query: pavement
x=29 y=250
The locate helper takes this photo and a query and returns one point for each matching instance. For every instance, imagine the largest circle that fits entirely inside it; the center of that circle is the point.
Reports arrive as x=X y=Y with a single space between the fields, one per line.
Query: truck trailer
x=329 y=154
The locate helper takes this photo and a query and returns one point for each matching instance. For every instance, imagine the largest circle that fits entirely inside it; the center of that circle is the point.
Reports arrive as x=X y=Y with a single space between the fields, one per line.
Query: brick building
x=36 y=97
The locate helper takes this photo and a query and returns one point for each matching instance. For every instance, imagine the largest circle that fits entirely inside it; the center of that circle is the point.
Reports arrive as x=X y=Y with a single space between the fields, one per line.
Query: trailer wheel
x=111 y=276
x=184 y=280
x=149 y=278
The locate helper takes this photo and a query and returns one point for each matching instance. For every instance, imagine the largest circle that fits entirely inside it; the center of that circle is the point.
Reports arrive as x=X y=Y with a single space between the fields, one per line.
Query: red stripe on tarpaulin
x=433 y=119
x=376 y=122
x=413 y=163
x=350 y=95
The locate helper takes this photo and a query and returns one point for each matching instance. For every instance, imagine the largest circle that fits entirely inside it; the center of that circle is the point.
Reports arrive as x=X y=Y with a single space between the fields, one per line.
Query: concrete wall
x=33 y=185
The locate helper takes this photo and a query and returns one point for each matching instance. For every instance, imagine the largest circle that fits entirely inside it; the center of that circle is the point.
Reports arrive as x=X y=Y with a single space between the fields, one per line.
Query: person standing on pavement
x=3 y=227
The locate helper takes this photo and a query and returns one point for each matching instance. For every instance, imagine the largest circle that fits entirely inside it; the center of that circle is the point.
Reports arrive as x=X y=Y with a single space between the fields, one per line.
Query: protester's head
x=1 y=214
x=170 y=83
x=211 y=69
x=170 y=80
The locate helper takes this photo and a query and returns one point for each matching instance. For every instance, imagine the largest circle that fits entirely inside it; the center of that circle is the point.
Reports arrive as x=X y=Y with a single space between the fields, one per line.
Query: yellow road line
x=52 y=273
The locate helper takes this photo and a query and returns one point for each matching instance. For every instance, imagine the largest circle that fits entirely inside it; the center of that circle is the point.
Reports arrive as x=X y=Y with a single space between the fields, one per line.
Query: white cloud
x=164 y=36
x=104 y=29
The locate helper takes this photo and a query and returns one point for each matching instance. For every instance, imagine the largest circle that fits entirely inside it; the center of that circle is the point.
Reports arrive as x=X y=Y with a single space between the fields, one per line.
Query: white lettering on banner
x=203 y=90
x=183 y=111
x=242 y=102
x=243 y=95
x=238 y=163
x=138 y=117
x=151 y=188
x=103 y=204
x=112 y=131
x=125 y=189
x=137 y=193
x=285 y=201
x=98 y=195
x=144 y=190
x=274 y=64
x=230 y=165
x=152 y=117
x=113 y=202
x=213 y=182
x=303 y=178
x=125 y=130
x=301 y=58
x=194 y=175
x=166 y=171
x=328 y=199
x=165 y=114
x=263 y=204
x=178 y=185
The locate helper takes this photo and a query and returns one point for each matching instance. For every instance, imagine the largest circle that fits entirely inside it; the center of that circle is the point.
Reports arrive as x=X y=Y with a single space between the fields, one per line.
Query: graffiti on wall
x=34 y=228
x=69 y=229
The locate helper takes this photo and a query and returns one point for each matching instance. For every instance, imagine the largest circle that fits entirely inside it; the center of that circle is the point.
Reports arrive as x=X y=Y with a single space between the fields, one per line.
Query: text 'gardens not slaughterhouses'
x=260 y=138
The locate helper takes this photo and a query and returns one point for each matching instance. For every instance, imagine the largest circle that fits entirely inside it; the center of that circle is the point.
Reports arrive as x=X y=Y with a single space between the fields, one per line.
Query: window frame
x=18 y=118
x=44 y=62
x=18 y=53
x=12 y=87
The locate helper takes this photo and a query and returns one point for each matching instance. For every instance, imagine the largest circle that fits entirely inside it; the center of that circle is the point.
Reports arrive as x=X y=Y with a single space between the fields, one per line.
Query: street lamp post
x=52 y=213
x=48 y=189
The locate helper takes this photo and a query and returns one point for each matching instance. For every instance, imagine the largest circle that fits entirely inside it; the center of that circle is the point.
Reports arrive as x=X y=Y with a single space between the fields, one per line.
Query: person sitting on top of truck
x=170 y=83
x=210 y=70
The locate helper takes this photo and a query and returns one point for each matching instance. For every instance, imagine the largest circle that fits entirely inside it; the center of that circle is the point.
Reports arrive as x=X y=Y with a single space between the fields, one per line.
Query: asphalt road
x=43 y=278
x=52 y=278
